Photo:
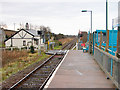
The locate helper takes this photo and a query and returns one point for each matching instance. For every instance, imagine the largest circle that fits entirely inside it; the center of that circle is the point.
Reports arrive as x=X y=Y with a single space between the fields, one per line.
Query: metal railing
x=109 y=64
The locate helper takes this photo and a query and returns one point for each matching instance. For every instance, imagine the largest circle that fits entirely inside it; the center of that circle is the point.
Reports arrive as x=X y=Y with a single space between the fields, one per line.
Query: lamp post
x=90 y=45
x=91 y=17
x=107 y=31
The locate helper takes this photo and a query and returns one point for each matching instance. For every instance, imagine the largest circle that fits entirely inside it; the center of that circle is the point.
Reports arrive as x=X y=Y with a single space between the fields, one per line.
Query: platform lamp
x=90 y=45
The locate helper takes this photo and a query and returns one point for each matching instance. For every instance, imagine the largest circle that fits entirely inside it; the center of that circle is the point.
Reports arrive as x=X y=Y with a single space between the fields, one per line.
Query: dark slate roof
x=34 y=32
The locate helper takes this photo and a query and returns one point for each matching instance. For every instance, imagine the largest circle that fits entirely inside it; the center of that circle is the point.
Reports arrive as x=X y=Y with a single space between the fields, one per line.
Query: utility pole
x=91 y=35
x=39 y=42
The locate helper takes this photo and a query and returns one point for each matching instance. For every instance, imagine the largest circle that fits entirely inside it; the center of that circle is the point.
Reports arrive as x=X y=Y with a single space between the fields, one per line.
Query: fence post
x=76 y=46
x=100 y=40
x=119 y=74
x=107 y=41
x=118 y=43
x=118 y=54
x=93 y=42
x=90 y=43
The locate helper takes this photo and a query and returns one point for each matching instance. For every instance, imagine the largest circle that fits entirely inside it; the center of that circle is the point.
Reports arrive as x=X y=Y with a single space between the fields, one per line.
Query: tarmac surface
x=79 y=70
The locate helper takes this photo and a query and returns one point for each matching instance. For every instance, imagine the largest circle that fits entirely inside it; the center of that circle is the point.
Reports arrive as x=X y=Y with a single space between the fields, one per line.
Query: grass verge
x=20 y=64
x=57 y=47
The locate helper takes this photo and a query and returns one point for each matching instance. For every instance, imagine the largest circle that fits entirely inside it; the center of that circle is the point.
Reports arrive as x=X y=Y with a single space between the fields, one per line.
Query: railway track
x=38 y=78
x=69 y=45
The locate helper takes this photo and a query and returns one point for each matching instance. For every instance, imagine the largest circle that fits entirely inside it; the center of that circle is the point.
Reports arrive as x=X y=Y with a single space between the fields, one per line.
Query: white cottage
x=24 y=38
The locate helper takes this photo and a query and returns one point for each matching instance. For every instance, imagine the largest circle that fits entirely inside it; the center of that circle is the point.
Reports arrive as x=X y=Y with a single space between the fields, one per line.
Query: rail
x=108 y=50
x=30 y=73
x=70 y=45
x=109 y=64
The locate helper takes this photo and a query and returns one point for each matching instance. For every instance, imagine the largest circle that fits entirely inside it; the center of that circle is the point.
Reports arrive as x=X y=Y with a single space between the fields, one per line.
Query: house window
x=36 y=41
x=24 y=43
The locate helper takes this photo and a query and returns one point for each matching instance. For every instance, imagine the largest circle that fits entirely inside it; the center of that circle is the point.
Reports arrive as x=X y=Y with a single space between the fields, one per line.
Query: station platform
x=79 y=70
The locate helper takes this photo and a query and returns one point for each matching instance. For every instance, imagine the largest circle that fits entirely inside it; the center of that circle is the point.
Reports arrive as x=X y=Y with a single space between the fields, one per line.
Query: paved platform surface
x=79 y=70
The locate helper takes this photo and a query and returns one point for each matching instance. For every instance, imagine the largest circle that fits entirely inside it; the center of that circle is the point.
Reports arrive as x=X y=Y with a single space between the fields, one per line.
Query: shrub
x=32 y=49
x=60 y=44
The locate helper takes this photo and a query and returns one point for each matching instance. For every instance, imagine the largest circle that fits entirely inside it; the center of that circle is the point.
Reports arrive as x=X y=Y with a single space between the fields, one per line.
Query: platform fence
x=109 y=64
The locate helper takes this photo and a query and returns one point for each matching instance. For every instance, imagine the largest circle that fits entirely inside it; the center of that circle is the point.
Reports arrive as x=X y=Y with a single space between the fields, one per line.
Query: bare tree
x=48 y=29
x=31 y=26
x=21 y=26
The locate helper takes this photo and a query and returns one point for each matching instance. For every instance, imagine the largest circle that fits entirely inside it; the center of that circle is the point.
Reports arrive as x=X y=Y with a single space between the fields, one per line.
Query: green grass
x=75 y=48
x=57 y=47
x=0 y=45
x=19 y=65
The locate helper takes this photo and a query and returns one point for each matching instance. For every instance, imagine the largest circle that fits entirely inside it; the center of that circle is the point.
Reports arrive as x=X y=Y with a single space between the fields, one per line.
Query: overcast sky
x=62 y=16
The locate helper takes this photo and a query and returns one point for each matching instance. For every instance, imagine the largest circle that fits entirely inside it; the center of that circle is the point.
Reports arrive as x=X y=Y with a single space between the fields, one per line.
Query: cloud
x=48 y=1
x=62 y=16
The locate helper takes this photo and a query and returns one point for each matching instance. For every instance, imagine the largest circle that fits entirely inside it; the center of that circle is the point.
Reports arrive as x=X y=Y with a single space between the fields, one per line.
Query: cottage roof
x=34 y=32
x=18 y=32
x=31 y=32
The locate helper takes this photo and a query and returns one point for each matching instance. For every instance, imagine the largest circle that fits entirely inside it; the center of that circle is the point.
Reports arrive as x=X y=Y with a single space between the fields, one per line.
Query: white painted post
x=27 y=48
x=46 y=47
x=38 y=46
x=53 y=46
x=76 y=46
x=20 y=48
x=11 y=48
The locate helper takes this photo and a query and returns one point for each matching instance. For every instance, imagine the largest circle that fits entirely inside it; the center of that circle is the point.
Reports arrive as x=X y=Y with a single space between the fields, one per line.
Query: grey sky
x=62 y=16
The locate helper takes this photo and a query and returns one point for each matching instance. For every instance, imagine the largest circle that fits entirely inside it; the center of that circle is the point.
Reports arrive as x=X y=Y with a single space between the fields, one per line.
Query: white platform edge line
x=74 y=47
x=51 y=78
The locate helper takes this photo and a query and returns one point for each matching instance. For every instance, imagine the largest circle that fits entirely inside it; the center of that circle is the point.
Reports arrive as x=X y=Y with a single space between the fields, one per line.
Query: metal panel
x=109 y=63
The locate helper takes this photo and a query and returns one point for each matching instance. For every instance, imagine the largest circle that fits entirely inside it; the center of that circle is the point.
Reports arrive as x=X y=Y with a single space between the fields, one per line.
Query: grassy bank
x=57 y=47
x=20 y=63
